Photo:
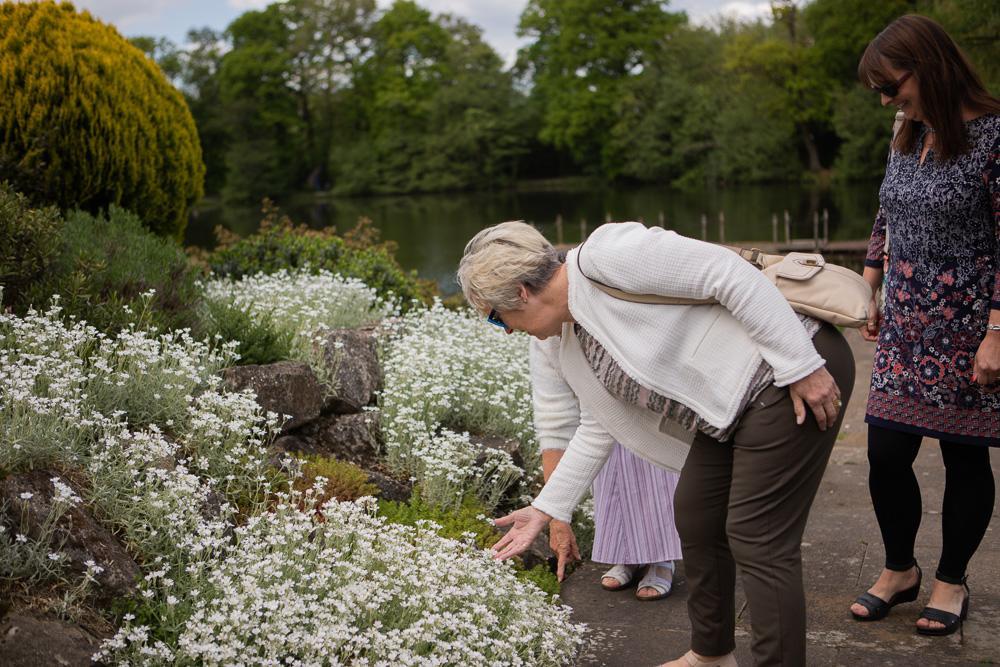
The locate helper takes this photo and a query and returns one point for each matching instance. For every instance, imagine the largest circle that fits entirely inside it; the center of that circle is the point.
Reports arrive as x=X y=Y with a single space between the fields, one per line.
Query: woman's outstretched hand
x=819 y=391
x=525 y=524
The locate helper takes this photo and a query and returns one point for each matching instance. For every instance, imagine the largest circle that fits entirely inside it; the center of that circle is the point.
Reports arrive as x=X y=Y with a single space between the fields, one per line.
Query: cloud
x=497 y=18
x=747 y=11
x=246 y=5
x=124 y=13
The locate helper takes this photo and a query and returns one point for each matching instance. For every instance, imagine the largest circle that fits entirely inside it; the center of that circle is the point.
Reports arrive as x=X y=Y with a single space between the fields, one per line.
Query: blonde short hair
x=501 y=258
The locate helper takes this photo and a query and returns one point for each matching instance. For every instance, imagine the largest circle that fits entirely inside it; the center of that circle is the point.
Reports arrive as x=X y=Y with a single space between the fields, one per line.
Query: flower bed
x=350 y=589
x=233 y=570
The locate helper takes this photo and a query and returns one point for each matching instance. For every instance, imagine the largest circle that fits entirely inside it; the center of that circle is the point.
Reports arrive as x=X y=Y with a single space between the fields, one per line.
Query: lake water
x=432 y=230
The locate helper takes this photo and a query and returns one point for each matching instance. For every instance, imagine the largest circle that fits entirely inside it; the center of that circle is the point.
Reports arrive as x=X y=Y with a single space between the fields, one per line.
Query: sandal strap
x=623 y=574
x=652 y=580
x=872 y=603
x=945 y=618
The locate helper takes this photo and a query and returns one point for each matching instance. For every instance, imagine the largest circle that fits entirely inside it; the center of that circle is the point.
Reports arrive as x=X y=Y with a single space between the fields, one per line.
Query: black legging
x=968 y=499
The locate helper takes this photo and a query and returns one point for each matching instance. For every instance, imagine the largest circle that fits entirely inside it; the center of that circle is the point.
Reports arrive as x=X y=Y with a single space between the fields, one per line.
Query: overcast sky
x=497 y=18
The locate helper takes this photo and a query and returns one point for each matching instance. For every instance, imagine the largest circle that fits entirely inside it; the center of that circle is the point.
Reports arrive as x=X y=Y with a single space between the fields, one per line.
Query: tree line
x=338 y=95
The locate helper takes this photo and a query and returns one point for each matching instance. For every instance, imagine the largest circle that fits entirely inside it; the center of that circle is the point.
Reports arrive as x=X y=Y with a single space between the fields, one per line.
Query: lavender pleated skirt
x=634 y=512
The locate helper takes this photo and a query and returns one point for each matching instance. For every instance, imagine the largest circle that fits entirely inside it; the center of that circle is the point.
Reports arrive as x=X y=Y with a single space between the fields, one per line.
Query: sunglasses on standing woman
x=892 y=89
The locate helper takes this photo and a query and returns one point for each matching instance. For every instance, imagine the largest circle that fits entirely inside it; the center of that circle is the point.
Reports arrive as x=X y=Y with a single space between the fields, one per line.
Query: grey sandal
x=652 y=579
x=623 y=574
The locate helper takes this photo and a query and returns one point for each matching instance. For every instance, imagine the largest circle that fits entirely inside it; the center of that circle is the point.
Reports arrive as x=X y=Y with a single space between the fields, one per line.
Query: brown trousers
x=745 y=502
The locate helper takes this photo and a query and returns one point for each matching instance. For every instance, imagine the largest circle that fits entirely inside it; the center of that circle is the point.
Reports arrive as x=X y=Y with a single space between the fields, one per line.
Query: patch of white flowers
x=43 y=377
x=303 y=303
x=449 y=374
x=351 y=589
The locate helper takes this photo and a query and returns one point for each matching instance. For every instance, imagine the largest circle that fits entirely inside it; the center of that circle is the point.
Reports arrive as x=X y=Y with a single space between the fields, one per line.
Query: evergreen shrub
x=261 y=340
x=344 y=481
x=105 y=264
x=279 y=244
x=28 y=242
x=470 y=517
x=87 y=120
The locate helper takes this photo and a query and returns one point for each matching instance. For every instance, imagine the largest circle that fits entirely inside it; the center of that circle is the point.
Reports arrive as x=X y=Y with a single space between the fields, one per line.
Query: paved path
x=842 y=555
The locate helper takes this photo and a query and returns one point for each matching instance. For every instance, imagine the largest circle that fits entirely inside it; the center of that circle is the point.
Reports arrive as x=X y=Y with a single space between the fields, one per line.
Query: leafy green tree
x=200 y=82
x=266 y=135
x=438 y=111
x=95 y=126
x=975 y=25
x=329 y=40
x=841 y=29
x=666 y=116
x=582 y=54
x=783 y=64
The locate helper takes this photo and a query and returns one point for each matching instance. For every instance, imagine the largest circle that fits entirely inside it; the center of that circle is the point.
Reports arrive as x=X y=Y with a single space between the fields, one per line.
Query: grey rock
x=352 y=359
x=285 y=387
x=353 y=438
x=26 y=641
x=389 y=487
x=81 y=537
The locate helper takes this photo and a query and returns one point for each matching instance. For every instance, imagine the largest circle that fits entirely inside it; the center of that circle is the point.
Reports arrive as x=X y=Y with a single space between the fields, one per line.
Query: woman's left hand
x=525 y=525
x=820 y=392
x=986 y=367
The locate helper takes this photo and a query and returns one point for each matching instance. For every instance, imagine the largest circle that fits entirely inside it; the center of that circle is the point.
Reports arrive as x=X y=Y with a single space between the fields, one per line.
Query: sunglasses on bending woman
x=494 y=318
x=892 y=89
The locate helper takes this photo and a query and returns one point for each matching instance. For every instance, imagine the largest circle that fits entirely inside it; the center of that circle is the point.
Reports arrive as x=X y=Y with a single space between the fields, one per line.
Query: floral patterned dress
x=942 y=280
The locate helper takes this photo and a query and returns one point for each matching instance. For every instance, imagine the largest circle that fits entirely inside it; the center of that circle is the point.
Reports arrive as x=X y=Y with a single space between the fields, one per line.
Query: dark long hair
x=944 y=77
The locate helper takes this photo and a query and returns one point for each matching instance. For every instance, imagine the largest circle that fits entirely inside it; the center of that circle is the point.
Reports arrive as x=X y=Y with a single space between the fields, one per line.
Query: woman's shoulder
x=985 y=129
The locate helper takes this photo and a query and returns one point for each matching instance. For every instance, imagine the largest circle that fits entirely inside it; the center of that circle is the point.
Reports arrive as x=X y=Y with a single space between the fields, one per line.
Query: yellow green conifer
x=87 y=120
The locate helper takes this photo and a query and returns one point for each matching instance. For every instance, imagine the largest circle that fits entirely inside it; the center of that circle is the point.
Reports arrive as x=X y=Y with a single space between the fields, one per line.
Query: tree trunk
x=810 y=143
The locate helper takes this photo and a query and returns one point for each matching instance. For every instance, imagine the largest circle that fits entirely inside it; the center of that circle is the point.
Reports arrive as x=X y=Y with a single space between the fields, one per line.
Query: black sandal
x=879 y=608
x=950 y=621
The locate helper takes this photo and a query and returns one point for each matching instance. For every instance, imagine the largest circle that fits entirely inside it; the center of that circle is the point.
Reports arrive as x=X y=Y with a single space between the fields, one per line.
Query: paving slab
x=842 y=556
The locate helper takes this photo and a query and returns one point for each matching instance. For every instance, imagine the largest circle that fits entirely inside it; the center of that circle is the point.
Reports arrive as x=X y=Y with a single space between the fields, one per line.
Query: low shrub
x=259 y=337
x=103 y=267
x=468 y=519
x=543 y=577
x=28 y=242
x=279 y=244
x=342 y=480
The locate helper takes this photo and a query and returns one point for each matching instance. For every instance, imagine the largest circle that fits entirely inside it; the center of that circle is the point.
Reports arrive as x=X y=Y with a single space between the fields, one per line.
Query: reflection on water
x=432 y=230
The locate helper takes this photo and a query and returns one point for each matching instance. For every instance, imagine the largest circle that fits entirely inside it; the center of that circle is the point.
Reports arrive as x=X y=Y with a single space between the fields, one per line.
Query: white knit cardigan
x=701 y=356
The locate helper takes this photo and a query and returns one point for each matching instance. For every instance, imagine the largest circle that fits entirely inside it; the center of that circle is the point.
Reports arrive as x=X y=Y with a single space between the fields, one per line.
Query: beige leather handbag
x=811 y=285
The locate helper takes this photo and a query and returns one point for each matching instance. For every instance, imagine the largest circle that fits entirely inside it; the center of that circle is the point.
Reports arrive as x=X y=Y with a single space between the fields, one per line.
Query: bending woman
x=717 y=392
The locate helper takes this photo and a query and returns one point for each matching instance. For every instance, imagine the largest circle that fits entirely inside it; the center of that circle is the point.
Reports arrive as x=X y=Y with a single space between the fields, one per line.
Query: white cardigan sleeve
x=586 y=454
x=656 y=261
x=555 y=406
x=561 y=424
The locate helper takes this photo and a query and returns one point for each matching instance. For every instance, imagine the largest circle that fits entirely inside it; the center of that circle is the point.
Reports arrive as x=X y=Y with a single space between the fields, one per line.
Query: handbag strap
x=752 y=255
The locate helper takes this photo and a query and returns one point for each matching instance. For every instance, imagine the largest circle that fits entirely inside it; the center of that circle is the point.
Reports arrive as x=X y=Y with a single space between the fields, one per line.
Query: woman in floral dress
x=937 y=359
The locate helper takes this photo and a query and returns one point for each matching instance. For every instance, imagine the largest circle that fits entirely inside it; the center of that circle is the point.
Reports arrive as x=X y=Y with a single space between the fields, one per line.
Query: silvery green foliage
x=447 y=374
x=304 y=303
x=349 y=589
